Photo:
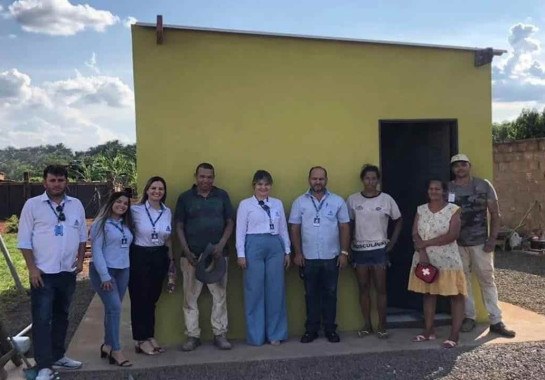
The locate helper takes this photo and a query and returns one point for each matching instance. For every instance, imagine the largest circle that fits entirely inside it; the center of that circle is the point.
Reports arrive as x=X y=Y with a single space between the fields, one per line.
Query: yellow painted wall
x=248 y=102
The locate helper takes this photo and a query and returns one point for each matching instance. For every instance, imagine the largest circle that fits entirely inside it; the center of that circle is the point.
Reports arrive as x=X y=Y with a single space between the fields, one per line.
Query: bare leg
x=457 y=311
x=430 y=301
x=363 y=276
x=379 y=280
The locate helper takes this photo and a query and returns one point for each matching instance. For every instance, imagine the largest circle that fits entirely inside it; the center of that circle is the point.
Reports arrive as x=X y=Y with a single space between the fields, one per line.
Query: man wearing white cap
x=477 y=198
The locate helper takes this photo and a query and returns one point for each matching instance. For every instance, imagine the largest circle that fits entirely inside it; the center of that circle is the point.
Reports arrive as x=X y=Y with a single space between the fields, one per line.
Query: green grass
x=6 y=281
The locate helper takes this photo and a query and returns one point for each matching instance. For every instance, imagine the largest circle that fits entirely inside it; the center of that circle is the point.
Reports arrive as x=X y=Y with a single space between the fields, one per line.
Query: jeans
x=49 y=306
x=112 y=300
x=264 y=290
x=192 y=289
x=321 y=277
x=149 y=267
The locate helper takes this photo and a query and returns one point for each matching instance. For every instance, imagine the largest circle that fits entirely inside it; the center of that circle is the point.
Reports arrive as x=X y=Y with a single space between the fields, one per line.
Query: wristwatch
x=344 y=253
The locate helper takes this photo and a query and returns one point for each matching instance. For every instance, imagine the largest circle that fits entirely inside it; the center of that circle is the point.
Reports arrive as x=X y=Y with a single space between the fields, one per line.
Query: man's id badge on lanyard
x=451 y=197
x=59 y=230
x=316 y=222
x=124 y=242
x=155 y=238
x=271 y=226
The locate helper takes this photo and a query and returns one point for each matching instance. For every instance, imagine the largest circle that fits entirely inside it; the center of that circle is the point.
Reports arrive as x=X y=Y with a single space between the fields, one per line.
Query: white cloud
x=59 y=17
x=92 y=63
x=520 y=77
x=129 y=21
x=80 y=111
x=12 y=36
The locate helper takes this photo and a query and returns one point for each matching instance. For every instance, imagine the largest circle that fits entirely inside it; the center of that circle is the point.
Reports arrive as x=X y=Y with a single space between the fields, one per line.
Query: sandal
x=124 y=363
x=139 y=350
x=383 y=334
x=449 y=344
x=156 y=346
x=365 y=332
x=103 y=354
x=423 y=338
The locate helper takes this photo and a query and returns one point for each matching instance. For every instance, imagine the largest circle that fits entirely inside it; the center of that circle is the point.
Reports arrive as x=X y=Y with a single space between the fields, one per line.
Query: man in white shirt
x=52 y=236
x=320 y=234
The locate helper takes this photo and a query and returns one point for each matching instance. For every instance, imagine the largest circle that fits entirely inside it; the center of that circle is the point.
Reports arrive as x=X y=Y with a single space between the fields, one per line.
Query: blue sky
x=66 y=70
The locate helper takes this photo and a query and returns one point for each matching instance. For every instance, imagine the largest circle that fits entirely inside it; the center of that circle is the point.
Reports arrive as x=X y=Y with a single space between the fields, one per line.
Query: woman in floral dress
x=435 y=230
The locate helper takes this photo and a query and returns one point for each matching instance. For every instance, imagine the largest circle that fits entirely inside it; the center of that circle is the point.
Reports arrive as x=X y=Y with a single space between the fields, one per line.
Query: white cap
x=459 y=157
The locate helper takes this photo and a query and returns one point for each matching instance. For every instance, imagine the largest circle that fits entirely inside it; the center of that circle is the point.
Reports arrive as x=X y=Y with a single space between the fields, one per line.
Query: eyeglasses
x=61 y=216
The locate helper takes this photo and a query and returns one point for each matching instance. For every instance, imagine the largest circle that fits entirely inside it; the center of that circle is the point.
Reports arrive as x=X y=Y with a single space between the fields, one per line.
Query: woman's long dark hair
x=144 y=197
x=106 y=211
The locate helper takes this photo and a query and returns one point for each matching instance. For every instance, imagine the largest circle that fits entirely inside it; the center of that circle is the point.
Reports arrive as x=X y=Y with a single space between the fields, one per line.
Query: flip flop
x=449 y=344
x=364 y=332
x=383 y=334
x=423 y=338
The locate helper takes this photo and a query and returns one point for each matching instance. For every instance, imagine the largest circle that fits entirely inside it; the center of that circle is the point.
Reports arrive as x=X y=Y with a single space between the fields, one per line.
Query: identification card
x=451 y=197
x=271 y=226
x=316 y=222
x=155 y=238
x=59 y=230
x=124 y=243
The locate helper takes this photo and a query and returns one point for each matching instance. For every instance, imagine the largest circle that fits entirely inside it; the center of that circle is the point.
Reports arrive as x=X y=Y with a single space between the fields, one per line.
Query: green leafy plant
x=12 y=224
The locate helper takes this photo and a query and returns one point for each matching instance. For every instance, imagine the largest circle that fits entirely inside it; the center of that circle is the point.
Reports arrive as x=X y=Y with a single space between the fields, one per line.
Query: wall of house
x=519 y=178
x=248 y=102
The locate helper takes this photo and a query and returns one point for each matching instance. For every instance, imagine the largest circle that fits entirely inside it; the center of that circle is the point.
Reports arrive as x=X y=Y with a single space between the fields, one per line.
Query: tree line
x=111 y=161
x=529 y=124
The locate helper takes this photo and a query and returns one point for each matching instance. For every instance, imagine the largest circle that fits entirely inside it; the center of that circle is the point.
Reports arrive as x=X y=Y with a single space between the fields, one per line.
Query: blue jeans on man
x=320 y=278
x=50 y=305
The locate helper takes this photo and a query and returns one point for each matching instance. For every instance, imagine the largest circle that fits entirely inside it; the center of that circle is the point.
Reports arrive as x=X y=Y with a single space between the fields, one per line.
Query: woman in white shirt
x=263 y=249
x=150 y=259
x=370 y=211
x=111 y=236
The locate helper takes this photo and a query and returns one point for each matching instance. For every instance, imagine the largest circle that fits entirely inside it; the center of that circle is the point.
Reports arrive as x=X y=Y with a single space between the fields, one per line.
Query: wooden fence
x=14 y=194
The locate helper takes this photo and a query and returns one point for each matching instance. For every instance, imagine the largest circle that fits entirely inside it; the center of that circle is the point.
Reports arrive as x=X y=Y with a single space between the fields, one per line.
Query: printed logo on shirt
x=168 y=229
x=368 y=245
x=76 y=223
x=378 y=208
x=359 y=207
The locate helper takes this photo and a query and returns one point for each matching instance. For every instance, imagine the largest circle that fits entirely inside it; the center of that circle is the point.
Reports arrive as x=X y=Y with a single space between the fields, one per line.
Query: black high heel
x=124 y=363
x=102 y=353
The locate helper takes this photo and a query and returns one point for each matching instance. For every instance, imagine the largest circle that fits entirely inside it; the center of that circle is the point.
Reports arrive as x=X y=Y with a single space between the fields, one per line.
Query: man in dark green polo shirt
x=204 y=215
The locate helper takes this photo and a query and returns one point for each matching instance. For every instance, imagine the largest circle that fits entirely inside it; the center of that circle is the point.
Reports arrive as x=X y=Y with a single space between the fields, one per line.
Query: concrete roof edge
x=344 y=39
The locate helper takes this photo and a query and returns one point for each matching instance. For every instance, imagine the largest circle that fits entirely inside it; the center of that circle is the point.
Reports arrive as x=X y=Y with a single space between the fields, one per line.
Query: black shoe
x=332 y=337
x=308 y=337
x=500 y=329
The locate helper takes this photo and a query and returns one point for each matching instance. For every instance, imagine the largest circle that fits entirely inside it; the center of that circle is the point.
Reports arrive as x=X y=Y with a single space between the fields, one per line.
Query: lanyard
x=319 y=207
x=153 y=223
x=267 y=210
x=118 y=227
x=60 y=216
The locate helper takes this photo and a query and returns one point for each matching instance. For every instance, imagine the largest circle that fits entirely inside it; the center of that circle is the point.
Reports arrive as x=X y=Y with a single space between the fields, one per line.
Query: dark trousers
x=320 y=277
x=49 y=306
x=149 y=267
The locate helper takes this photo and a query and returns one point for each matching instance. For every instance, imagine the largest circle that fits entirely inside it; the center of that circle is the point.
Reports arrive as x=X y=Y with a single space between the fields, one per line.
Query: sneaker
x=46 y=374
x=500 y=329
x=468 y=325
x=191 y=343
x=309 y=337
x=67 y=363
x=221 y=342
x=332 y=337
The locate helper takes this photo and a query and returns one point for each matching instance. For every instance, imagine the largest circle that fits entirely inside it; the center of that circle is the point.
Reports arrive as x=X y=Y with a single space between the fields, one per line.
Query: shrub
x=12 y=224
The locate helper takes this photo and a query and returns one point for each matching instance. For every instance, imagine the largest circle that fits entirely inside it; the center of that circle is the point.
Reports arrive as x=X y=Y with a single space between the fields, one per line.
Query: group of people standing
x=131 y=248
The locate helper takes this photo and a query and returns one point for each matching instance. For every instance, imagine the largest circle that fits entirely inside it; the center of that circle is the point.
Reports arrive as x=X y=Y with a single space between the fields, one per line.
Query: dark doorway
x=411 y=152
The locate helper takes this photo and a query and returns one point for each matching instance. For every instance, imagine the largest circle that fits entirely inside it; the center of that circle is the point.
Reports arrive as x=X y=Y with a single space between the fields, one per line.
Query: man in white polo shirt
x=52 y=236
